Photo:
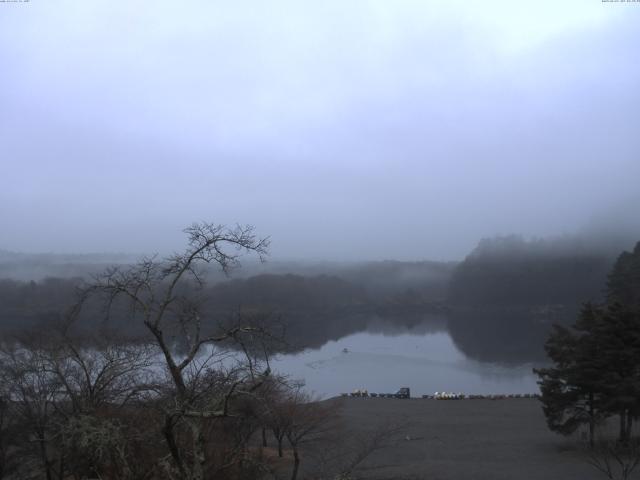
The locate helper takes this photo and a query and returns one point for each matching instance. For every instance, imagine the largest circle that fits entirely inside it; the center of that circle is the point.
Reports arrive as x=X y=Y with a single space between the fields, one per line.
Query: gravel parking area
x=467 y=439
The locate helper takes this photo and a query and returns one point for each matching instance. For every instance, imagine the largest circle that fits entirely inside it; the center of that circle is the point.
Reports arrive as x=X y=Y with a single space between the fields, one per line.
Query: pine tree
x=571 y=390
x=620 y=336
x=623 y=284
x=596 y=372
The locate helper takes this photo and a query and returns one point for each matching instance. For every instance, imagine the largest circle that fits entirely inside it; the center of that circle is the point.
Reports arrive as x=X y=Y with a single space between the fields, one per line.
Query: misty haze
x=331 y=240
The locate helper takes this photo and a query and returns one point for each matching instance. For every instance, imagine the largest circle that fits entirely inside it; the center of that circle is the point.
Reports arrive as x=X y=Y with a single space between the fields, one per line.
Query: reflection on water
x=419 y=326
x=507 y=335
x=385 y=358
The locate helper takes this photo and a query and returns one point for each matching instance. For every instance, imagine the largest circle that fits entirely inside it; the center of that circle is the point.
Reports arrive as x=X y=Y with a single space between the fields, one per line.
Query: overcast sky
x=342 y=129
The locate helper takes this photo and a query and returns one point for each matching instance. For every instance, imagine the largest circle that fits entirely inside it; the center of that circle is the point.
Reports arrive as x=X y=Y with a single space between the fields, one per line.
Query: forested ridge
x=508 y=292
x=508 y=271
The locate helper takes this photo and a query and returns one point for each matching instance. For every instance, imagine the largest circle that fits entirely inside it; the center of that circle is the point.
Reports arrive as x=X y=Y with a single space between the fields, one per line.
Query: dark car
x=404 y=392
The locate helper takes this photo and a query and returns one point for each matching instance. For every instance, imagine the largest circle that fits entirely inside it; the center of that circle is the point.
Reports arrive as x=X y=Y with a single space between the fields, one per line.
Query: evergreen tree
x=623 y=285
x=618 y=334
x=571 y=390
x=596 y=371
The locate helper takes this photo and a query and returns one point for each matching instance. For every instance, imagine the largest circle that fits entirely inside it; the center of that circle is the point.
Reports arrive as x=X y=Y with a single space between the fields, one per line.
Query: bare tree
x=100 y=370
x=99 y=376
x=309 y=421
x=166 y=296
x=8 y=457
x=273 y=414
x=4 y=407
x=615 y=460
x=32 y=392
x=346 y=453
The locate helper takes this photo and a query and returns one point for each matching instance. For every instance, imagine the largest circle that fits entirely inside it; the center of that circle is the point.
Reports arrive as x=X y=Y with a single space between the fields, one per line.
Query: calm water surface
x=382 y=362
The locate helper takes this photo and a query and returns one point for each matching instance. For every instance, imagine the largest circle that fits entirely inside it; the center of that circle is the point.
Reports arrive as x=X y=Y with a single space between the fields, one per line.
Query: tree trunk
x=624 y=438
x=592 y=421
x=280 y=447
x=296 y=463
x=60 y=468
x=199 y=457
x=45 y=459
x=167 y=431
x=264 y=437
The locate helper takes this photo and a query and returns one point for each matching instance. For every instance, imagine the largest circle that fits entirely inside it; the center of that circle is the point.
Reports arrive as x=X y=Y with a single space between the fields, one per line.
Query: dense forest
x=313 y=309
x=510 y=271
x=505 y=296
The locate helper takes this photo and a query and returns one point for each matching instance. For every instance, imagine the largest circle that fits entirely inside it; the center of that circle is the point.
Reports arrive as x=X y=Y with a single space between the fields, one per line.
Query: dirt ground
x=466 y=439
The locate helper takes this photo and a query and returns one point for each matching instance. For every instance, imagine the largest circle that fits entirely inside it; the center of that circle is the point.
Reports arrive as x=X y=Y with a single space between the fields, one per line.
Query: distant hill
x=504 y=297
x=37 y=266
x=512 y=271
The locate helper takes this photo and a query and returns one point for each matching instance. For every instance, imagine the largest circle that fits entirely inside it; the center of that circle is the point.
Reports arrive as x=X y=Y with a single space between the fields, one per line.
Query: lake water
x=382 y=362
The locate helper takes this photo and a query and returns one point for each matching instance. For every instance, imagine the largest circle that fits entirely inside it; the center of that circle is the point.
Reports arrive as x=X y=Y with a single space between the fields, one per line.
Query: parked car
x=404 y=392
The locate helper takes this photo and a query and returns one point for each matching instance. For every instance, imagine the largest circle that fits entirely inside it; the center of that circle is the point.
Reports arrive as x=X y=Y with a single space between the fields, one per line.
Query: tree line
x=314 y=309
x=500 y=302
